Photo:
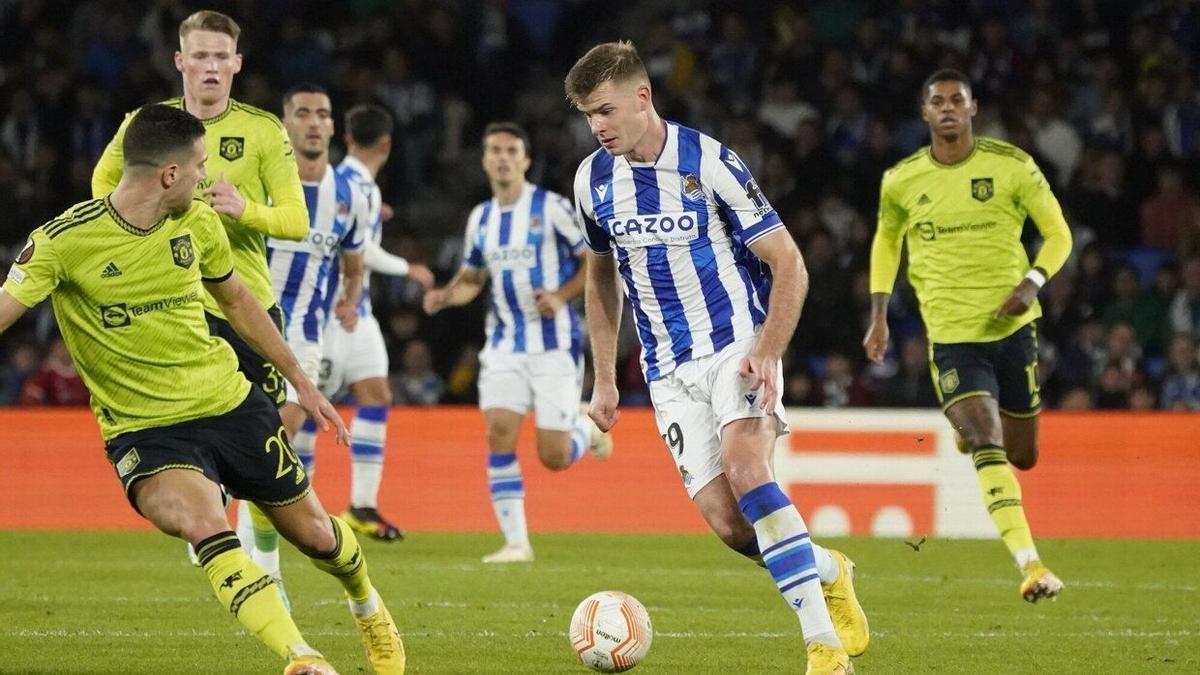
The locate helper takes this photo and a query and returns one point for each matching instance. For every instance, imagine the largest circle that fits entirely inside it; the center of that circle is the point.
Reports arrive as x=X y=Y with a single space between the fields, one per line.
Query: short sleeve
x=472 y=239
x=585 y=214
x=740 y=201
x=36 y=272
x=566 y=227
x=359 y=221
x=216 y=259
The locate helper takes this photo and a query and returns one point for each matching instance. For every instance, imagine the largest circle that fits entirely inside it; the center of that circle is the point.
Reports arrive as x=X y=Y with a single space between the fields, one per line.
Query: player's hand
x=321 y=411
x=603 y=408
x=422 y=275
x=1019 y=301
x=758 y=371
x=386 y=212
x=434 y=301
x=225 y=199
x=347 y=314
x=876 y=341
x=548 y=302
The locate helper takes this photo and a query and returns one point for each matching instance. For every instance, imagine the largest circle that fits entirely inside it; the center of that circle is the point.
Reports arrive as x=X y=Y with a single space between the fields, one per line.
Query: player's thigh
x=504 y=382
x=372 y=391
x=253 y=365
x=141 y=456
x=1020 y=399
x=719 y=508
x=304 y=523
x=964 y=379
x=255 y=460
x=556 y=378
x=748 y=433
x=502 y=428
x=365 y=359
x=689 y=430
x=182 y=503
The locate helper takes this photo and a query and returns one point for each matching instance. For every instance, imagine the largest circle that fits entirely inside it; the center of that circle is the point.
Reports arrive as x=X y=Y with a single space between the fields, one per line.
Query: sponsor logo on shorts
x=949 y=381
x=128 y=463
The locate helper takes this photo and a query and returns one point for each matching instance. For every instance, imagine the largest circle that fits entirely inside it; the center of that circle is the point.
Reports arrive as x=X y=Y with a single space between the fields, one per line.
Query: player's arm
x=1039 y=202
x=886 y=249
x=463 y=288
x=10 y=310
x=603 y=305
x=107 y=172
x=254 y=326
x=346 y=309
x=287 y=216
x=379 y=260
x=789 y=288
x=34 y=275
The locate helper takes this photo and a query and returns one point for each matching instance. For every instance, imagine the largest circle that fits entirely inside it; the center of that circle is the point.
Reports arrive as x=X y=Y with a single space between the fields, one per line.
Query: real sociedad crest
x=692 y=188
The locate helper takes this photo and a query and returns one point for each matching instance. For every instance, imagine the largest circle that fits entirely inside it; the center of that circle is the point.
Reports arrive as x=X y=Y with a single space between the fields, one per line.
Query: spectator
x=1181 y=387
x=1142 y=311
x=417 y=383
x=1185 y=306
x=910 y=386
x=1171 y=210
x=21 y=362
x=56 y=382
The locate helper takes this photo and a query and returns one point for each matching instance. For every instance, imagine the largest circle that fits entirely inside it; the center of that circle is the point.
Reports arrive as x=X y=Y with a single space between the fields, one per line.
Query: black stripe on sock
x=989 y=455
x=216 y=545
x=1003 y=503
x=247 y=592
x=337 y=543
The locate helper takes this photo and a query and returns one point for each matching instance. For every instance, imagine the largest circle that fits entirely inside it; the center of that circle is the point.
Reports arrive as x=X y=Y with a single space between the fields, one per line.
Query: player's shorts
x=548 y=382
x=694 y=402
x=308 y=354
x=256 y=368
x=351 y=357
x=245 y=450
x=1005 y=369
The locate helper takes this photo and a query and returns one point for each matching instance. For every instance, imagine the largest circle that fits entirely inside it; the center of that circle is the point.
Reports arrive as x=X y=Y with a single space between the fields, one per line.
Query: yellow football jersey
x=250 y=147
x=962 y=224
x=129 y=303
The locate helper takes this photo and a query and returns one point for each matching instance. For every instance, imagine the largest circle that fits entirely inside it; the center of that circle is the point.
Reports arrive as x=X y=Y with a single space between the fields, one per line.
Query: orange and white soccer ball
x=611 y=632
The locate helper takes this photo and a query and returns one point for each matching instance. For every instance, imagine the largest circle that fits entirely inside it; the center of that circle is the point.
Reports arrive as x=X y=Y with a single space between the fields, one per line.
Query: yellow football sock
x=346 y=563
x=1002 y=497
x=240 y=585
x=266 y=539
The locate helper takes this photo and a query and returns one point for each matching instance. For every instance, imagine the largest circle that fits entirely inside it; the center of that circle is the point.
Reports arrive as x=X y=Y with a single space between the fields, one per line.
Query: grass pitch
x=128 y=602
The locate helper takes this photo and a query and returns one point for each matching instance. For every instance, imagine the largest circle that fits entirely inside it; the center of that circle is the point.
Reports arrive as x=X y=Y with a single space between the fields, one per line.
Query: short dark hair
x=368 y=123
x=302 y=88
x=617 y=61
x=509 y=128
x=945 y=75
x=156 y=132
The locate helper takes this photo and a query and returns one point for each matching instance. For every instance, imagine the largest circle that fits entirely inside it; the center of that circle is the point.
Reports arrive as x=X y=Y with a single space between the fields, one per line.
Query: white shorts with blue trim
x=549 y=383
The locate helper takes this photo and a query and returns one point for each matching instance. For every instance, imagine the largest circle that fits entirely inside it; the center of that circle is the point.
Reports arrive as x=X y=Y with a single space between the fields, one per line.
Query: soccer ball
x=611 y=632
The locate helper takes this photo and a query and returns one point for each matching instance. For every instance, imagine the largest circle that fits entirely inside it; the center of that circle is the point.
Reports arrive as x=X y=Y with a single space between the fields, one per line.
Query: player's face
x=185 y=176
x=948 y=109
x=505 y=159
x=308 y=118
x=208 y=61
x=617 y=113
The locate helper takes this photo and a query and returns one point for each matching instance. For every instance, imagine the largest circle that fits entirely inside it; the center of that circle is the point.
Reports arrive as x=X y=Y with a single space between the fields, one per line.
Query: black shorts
x=245 y=450
x=1005 y=369
x=256 y=369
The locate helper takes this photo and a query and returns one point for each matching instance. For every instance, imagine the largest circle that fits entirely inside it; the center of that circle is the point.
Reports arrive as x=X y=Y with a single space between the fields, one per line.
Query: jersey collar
x=943 y=165
x=126 y=225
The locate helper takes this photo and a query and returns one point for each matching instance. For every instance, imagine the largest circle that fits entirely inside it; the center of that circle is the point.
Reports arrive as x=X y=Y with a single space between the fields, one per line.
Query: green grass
x=129 y=603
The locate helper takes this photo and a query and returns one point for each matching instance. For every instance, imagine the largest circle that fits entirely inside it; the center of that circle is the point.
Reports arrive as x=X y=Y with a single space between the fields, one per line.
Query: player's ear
x=237 y=63
x=179 y=61
x=169 y=175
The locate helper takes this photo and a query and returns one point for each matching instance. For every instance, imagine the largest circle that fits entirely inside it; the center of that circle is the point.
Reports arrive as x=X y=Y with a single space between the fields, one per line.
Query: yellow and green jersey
x=129 y=303
x=250 y=147
x=962 y=223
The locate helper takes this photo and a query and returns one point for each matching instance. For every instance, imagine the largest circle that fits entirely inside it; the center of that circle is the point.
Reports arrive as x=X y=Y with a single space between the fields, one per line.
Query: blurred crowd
x=818 y=98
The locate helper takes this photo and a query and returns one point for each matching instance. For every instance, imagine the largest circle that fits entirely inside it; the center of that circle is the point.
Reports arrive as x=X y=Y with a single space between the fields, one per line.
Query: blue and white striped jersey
x=681 y=228
x=301 y=270
x=534 y=244
x=360 y=175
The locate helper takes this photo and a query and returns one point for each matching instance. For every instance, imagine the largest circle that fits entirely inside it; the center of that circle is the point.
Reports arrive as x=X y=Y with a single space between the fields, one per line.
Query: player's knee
x=555 y=459
x=500 y=437
x=1024 y=458
x=196 y=527
x=315 y=536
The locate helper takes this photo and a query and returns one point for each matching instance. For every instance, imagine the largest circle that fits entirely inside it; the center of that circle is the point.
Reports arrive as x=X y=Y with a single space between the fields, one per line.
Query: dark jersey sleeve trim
x=217 y=280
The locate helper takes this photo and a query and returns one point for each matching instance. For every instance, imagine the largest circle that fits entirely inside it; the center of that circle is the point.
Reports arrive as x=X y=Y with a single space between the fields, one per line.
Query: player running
x=358 y=359
x=127 y=274
x=679 y=217
x=526 y=241
x=961 y=204
x=256 y=190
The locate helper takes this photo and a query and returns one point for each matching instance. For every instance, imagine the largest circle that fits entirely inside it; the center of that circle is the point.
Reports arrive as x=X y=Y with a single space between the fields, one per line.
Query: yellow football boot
x=848 y=617
x=826 y=660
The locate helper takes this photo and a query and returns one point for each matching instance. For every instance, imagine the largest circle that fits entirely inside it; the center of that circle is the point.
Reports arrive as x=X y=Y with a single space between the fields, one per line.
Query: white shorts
x=694 y=402
x=309 y=356
x=550 y=383
x=352 y=356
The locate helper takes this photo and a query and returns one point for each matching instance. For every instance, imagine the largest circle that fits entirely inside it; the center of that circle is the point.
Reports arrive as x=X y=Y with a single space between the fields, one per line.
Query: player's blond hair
x=615 y=61
x=207 y=19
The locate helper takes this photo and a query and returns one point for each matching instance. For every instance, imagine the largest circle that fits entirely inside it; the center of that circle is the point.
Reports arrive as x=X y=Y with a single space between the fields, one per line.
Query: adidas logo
x=110 y=271
x=923 y=200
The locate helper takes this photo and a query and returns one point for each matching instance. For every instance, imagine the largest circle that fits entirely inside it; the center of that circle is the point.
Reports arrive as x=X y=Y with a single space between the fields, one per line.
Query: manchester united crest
x=982 y=189
x=182 y=252
x=232 y=147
